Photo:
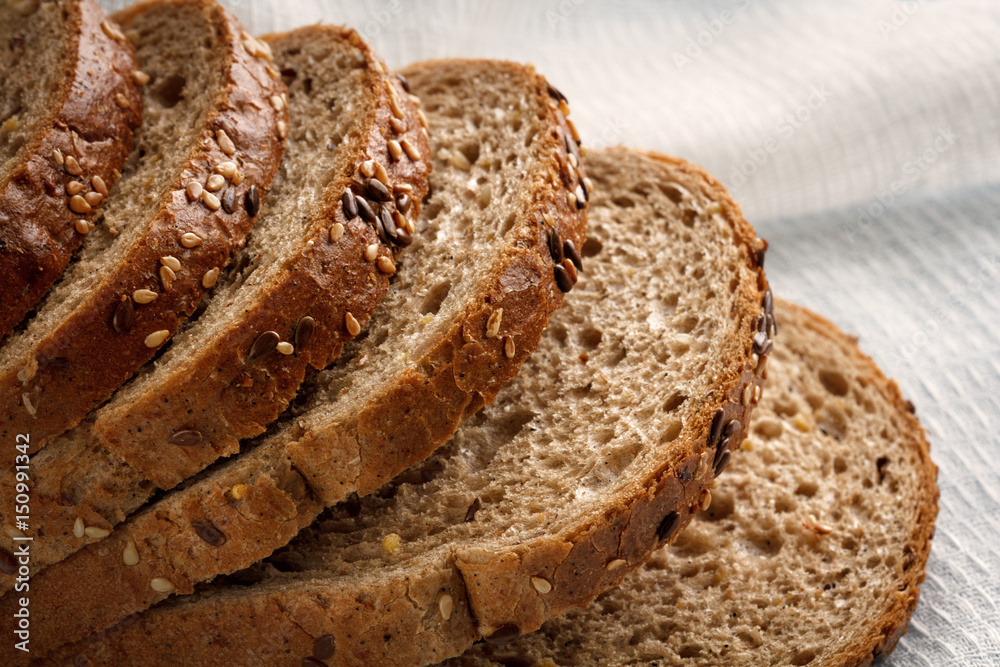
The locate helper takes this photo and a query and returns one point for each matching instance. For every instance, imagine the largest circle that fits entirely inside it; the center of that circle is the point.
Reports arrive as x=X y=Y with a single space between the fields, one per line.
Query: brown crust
x=393 y=618
x=81 y=361
x=63 y=596
x=221 y=393
x=37 y=233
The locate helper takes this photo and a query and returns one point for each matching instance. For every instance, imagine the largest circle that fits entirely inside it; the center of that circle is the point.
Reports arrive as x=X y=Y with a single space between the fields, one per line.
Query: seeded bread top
x=599 y=451
x=140 y=273
x=68 y=89
x=809 y=554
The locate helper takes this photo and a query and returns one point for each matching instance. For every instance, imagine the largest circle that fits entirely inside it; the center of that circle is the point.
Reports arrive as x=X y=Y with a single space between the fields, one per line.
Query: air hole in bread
x=471 y=151
x=672 y=431
x=785 y=504
x=690 y=651
x=722 y=507
x=591 y=247
x=768 y=542
x=623 y=202
x=435 y=297
x=675 y=401
x=839 y=465
x=768 y=428
x=590 y=338
x=687 y=324
x=170 y=91
x=807 y=488
x=508 y=224
x=803 y=657
x=834 y=382
x=558 y=333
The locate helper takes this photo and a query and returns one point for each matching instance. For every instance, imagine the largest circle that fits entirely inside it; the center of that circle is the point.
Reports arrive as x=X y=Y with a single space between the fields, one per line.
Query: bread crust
x=223 y=393
x=83 y=120
x=393 y=616
x=81 y=361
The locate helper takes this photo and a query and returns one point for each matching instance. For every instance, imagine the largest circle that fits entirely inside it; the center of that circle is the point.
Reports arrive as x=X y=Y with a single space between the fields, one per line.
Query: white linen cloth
x=863 y=139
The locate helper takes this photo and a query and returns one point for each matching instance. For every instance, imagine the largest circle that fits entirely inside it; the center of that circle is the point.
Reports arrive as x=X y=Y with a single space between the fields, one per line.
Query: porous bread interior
x=602 y=401
x=324 y=108
x=498 y=129
x=29 y=76
x=178 y=49
x=748 y=583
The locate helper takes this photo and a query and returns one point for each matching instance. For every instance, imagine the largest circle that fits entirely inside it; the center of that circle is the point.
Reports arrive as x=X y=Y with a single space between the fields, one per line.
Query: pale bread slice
x=812 y=549
x=433 y=353
x=68 y=88
x=597 y=453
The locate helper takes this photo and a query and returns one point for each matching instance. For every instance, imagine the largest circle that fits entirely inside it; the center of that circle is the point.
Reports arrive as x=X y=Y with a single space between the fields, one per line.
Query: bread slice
x=601 y=450
x=812 y=550
x=209 y=385
x=433 y=353
x=68 y=88
x=206 y=107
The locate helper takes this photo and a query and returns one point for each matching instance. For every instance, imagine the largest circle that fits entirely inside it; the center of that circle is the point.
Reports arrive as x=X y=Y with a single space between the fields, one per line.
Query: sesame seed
x=353 y=326
x=161 y=585
x=756 y=394
x=72 y=166
x=395 y=151
x=112 y=31
x=74 y=188
x=706 y=500
x=79 y=205
x=285 y=348
x=140 y=77
x=277 y=102
x=239 y=491
x=58 y=157
x=210 y=278
x=508 y=347
x=368 y=168
x=493 y=324
x=131 y=555
x=171 y=261
x=212 y=202
x=391 y=542
x=79 y=527
x=397 y=110
x=572 y=130
x=571 y=198
x=410 y=149
x=422 y=118
x=12 y=531
x=82 y=226
x=95 y=532
x=273 y=73
x=144 y=296
x=446 y=605
x=282 y=129
x=403 y=187
x=570 y=269
x=381 y=174
x=747 y=395
x=193 y=190
x=385 y=265
x=93 y=198
x=459 y=161
x=614 y=565
x=810 y=523
x=541 y=585
x=167 y=277
x=215 y=182
x=124 y=315
x=371 y=252
x=28 y=405
x=336 y=232
x=121 y=100
x=398 y=126
x=157 y=338
x=99 y=185
x=239 y=177
x=227 y=169
x=573 y=162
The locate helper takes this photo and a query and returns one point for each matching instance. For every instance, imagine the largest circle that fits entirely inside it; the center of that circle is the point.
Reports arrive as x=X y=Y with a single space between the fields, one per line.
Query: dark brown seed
x=229 y=200
x=504 y=634
x=388 y=224
x=8 y=564
x=251 y=201
x=563 y=281
x=555 y=94
x=365 y=210
x=768 y=302
x=760 y=256
x=723 y=462
x=470 y=514
x=767 y=348
x=772 y=326
x=581 y=198
x=403 y=202
x=383 y=235
x=732 y=427
x=403 y=237
x=185 y=438
x=312 y=662
x=586 y=191
x=716 y=432
x=403 y=82
x=572 y=255
x=911 y=407
x=323 y=647
x=209 y=532
x=555 y=246
x=571 y=147
x=571 y=270
x=304 y=332
x=759 y=341
x=124 y=316
x=721 y=451
x=263 y=346
x=668 y=526
x=376 y=190
x=762 y=322
x=349 y=205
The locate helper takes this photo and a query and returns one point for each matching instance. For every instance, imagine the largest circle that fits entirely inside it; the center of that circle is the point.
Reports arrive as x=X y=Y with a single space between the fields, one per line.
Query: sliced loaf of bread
x=215 y=385
x=601 y=450
x=68 y=89
x=812 y=550
x=468 y=304
x=142 y=270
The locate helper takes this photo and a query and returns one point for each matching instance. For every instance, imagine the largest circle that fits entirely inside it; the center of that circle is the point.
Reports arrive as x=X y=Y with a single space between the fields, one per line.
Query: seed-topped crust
x=78 y=363
x=81 y=130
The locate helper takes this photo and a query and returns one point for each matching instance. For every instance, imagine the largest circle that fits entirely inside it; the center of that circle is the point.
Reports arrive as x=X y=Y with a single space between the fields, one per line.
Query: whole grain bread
x=811 y=552
x=602 y=449
x=209 y=390
x=68 y=89
x=436 y=350
x=140 y=271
